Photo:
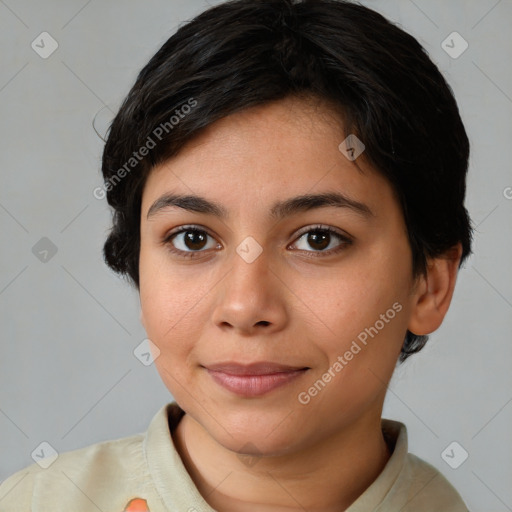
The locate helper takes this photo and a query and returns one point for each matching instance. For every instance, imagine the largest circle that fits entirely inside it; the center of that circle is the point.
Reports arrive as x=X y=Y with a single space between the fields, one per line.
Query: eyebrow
x=278 y=211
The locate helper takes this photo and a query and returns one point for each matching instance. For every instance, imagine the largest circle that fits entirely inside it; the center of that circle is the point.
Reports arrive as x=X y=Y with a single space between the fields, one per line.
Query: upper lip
x=259 y=368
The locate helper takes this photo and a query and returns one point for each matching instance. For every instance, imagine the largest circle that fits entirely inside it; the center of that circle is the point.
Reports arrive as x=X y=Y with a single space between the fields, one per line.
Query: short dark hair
x=245 y=53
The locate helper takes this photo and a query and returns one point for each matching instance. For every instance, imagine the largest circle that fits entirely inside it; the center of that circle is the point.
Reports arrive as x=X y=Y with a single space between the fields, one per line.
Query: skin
x=283 y=307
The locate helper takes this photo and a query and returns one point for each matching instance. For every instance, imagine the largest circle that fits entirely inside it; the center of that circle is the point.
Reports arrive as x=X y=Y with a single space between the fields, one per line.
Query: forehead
x=264 y=154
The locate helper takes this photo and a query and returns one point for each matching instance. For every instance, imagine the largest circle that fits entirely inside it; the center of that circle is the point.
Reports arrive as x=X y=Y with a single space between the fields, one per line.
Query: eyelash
x=345 y=241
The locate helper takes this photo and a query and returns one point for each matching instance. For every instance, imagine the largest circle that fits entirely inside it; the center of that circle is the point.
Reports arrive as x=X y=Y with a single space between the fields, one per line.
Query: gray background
x=69 y=326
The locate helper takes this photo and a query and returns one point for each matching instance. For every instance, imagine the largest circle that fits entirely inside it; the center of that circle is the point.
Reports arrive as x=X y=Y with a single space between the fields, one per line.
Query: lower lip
x=254 y=385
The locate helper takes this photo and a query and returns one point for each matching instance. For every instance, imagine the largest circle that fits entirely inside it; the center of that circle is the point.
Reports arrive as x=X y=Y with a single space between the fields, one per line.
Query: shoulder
x=428 y=489
x=78 y=473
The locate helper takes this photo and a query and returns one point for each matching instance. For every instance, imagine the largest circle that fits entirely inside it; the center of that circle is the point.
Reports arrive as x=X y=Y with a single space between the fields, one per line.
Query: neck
x=325 y=477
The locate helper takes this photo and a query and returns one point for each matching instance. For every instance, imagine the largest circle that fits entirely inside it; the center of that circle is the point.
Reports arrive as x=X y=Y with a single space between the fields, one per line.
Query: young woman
x=287 y=180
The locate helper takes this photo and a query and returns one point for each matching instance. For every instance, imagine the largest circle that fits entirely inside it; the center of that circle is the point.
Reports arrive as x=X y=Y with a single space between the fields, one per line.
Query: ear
x=142 y=319
x=434 y=291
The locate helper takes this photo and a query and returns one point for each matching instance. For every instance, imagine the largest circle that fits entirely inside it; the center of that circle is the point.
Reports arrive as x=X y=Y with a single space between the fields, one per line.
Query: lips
x=260 y=368
x=253 y=380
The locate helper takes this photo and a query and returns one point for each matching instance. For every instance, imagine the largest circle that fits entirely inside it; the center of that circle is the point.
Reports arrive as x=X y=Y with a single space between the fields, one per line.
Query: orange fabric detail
x=137 y=505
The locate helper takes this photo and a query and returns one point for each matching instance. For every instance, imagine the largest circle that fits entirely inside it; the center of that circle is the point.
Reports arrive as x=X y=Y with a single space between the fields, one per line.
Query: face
x=321 y=287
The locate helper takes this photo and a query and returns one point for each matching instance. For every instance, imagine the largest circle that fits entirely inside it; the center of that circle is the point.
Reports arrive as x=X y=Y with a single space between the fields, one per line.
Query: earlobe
x=434 y=292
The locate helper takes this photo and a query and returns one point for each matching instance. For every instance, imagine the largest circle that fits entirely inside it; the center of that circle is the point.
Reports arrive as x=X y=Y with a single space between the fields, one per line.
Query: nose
x=251 y=298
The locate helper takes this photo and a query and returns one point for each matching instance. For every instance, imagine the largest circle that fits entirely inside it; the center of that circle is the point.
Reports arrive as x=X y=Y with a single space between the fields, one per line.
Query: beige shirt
x=145 y=472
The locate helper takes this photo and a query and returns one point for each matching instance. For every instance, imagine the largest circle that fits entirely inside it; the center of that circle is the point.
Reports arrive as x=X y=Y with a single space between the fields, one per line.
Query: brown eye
x=194 y=240
x=318 y=239
x=322 y=240
x=188 y=241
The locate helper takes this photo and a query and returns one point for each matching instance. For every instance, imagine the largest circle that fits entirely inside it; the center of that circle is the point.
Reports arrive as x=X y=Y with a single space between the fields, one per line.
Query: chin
x=257 y=445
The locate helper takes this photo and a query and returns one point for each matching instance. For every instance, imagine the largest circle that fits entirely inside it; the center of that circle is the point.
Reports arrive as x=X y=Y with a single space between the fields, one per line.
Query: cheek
x=349 y=299
x=362 y=316
x=166 y=302
x=176 y=305
x=170 y=312
x=171 y=324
